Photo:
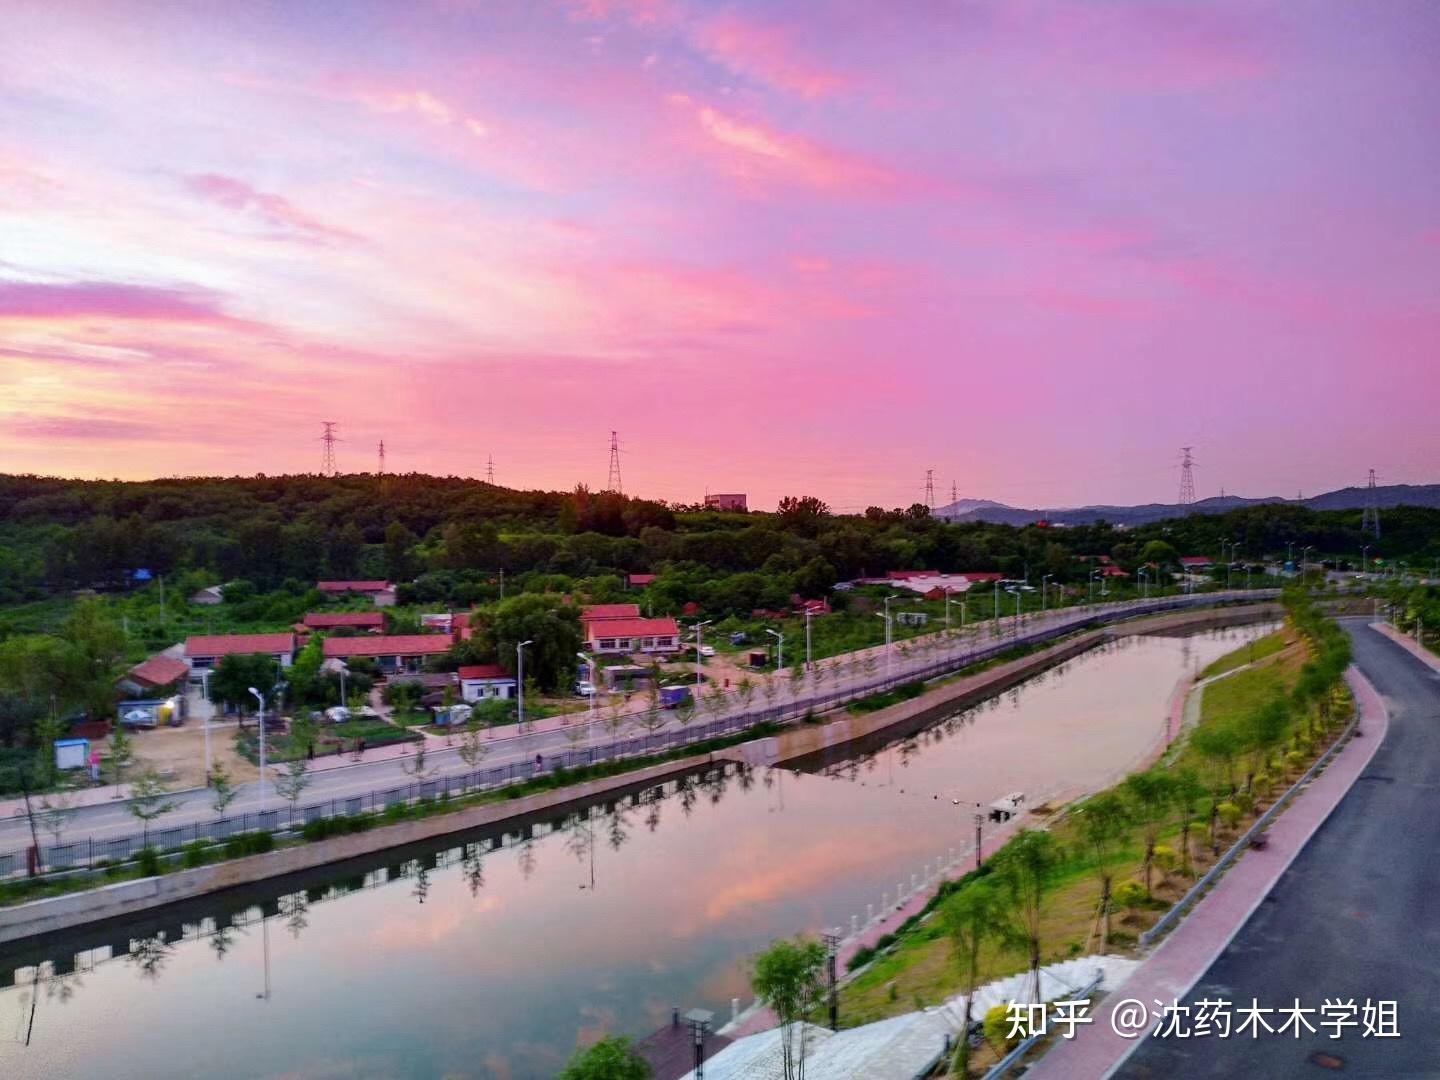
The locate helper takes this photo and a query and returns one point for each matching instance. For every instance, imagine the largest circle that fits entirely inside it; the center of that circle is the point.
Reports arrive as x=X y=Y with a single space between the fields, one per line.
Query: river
x=491 y=955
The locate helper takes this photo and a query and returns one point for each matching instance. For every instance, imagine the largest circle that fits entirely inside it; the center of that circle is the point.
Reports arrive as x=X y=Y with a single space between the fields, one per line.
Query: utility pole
x=328 y=439
x=832 y=948
x=1187 y=478
x=613 y=482
x=1370 y=518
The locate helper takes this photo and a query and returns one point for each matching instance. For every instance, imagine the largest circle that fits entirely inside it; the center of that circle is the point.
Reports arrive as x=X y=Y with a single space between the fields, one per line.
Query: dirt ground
x=178 y=753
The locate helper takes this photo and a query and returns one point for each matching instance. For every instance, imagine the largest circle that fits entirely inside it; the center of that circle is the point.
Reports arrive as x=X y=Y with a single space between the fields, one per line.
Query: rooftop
x=591 y=612
x=389 y=645
x=665 y=627
x=238 y=644
x=319 y=621
x=159 y=670
x=484 y=671
x=352 y=586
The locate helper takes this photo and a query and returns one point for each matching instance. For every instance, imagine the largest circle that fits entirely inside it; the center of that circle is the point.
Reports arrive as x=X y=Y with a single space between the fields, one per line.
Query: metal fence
x=960 y=654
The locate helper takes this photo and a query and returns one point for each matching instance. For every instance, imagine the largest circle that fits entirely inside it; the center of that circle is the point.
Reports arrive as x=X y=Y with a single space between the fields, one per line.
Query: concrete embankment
x=129 y=897
x=818 y=744
x=844 y=734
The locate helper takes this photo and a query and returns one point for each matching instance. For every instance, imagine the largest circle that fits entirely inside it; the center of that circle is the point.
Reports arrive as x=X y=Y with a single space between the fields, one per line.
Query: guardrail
x=962 y=653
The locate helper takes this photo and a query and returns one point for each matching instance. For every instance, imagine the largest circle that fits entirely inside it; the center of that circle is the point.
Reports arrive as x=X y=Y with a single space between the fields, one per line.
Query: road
x=112 y=818
x=1356 y=916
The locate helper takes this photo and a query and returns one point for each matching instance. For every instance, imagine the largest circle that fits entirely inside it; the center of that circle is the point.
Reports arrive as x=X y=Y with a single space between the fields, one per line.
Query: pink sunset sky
x=781 y=247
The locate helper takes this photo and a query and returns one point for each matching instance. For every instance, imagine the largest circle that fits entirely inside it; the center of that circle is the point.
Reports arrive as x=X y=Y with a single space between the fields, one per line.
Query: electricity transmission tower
x=382 y=457
x=1370 y=519
x=930 y=488
x=613 y=482
x=490 y=468
x=328 y=439
x=1187 y=477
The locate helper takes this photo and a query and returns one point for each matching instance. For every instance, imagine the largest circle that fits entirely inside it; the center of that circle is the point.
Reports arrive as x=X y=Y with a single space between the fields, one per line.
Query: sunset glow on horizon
x=782 y=248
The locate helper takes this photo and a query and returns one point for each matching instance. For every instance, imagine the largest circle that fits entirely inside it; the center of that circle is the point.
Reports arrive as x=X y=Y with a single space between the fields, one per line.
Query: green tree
x=294 y=778
x=611 y=1058
x=399 y=563
x=1151 y=795
x=1104 y=824
x=122 y=753
x=789 y=979
x=1027 y=867
x=472 y=747
x=237 y=673
x=1188 y=791
x=976 y=915
x=553 y=630
x=222 y=790
x=148 y=801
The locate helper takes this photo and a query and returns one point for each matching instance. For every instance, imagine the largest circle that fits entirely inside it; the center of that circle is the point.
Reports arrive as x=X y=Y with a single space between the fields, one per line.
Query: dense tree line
x=58 y=535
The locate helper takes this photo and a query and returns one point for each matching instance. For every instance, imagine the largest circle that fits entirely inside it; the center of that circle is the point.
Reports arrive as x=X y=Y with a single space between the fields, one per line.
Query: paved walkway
x=1408 y=643
x=1187 y=953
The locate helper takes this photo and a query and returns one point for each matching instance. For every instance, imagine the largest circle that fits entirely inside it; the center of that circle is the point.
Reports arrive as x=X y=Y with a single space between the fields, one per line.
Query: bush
x=997 y=1028
x=1165 y=858
x=884 y=942
x=862 y=956
x=148 y=861
x=1262 y=783
x=196 y=854
x=1244 y=799
x=1229 y=814
x=1129 y=895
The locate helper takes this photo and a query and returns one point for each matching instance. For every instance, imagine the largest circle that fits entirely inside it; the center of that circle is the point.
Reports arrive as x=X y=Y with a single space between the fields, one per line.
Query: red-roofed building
x=901 y=575
x=639 y=581
x=479 y=681
x=380 y=593
x=205 y=651
x=394 y=653
x=152 y=676
x=977 y=576
x=372 y=621
x=1111 y=570
x=600 y=612
x=1196 y=562
x=632 y=635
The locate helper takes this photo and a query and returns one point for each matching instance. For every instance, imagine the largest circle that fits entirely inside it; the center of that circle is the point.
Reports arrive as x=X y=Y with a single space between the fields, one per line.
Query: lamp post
x=205 y=693
x=886 y=617
x=1044 y=588
x=590 y=664
x=947 y=607
x=520 y=684
x=809 y=615
x=261 y=699
x=1304 y=559
x=779 y=647
x=699 y=629
x=1144 y=586
x=1364 y=560
x=832 y=949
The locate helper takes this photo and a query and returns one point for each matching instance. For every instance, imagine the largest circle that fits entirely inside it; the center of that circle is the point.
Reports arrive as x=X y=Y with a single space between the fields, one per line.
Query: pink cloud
x=274 y=210
x=36 y=300
x=755 y=153
x=767 y=53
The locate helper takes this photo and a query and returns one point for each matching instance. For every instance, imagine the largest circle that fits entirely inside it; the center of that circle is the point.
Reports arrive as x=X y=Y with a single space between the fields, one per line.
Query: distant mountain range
x=1350 y=498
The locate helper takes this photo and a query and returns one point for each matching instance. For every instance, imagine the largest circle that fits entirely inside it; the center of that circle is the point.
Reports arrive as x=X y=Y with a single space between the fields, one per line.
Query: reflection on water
x=492 y=953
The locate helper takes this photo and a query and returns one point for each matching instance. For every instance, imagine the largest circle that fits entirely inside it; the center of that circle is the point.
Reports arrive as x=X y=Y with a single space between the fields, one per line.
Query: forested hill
x=58 y=534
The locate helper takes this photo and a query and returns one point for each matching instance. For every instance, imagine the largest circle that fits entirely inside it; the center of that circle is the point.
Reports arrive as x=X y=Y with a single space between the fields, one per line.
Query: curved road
x=1357 y=915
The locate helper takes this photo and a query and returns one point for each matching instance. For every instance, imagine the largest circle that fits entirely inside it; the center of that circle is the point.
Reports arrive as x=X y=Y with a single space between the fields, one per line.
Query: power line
x=1370 y=519
x=328 y=438
x=1187 y=477
x=614 y=483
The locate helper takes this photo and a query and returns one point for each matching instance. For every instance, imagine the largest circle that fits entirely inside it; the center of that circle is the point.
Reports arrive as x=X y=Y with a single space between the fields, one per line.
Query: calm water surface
x=491 y=956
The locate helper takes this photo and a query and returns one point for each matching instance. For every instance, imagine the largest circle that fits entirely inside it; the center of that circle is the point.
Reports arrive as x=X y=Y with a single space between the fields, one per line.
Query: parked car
x=707 y=650
x=337 y=714
x=739 y=637
x=584 y=689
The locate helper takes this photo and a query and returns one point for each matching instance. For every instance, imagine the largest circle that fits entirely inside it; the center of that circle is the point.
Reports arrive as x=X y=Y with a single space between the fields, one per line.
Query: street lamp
x=886 y=617
x=699 y=629
x=261 y=699
x=1144 y=586
x=590 y=663
x=979 y=820
x=808 y=616
x=1364 y=560
x=779 y=647
x=520 y=684
x=1044 y=588
x=205 y=693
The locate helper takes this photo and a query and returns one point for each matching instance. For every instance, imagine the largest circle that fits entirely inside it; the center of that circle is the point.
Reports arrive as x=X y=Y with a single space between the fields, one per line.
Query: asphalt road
x=114 y=819
x=1356 y=916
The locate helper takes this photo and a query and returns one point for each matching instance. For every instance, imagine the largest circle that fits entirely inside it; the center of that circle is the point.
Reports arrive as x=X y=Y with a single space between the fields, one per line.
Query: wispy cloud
x=275 y=210
x=39 y=300
x=766 y=52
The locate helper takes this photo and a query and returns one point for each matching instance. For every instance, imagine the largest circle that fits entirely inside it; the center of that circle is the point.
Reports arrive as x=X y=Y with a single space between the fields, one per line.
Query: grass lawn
x=1247 y=690
x=329 y=739
x=1258 y=649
